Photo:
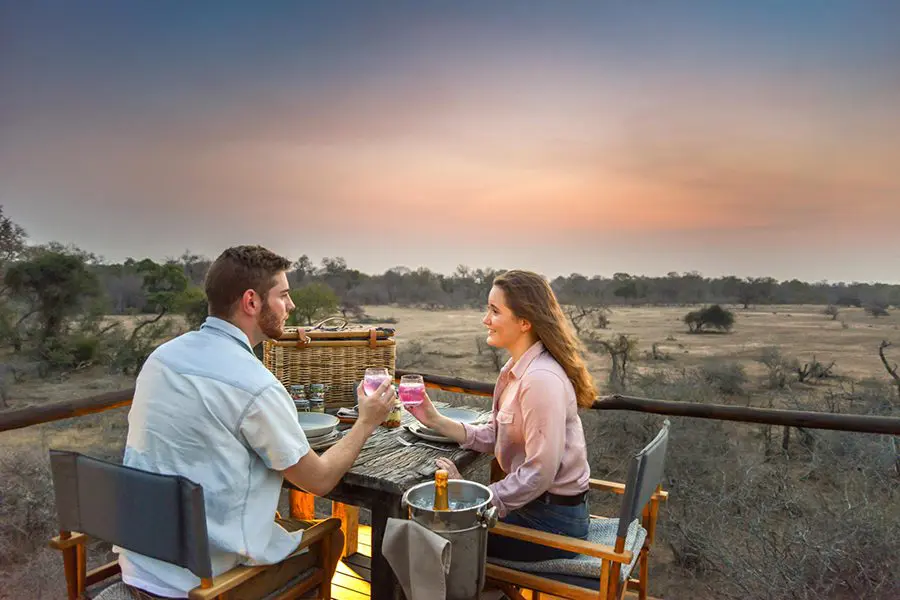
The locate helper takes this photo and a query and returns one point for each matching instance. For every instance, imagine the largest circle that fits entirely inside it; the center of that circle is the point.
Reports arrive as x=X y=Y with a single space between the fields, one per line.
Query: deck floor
x=351 y=580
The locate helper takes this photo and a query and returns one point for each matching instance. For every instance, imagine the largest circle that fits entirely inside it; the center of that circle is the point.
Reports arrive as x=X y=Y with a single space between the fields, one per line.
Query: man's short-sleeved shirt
x=207 y=409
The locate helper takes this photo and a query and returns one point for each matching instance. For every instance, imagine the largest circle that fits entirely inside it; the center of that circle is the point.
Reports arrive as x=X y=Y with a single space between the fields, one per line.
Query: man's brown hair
x=238 y=269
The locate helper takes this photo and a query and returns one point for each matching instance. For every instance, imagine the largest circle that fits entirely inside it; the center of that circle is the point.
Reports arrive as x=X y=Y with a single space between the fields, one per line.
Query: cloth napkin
x=419 y=557
x=348 y=413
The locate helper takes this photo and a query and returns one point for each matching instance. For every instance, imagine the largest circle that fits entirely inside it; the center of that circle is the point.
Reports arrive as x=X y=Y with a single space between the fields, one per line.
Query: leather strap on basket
x=373 y=335
x=304 y=341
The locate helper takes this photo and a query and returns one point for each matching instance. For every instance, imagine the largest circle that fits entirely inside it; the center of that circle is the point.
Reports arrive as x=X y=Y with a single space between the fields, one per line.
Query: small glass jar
x=317 y=397
x=298 y=395
x=395 y=416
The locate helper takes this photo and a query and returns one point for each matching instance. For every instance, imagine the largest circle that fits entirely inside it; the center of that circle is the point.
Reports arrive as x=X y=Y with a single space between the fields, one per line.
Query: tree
x=194 y=306
x=756 y=290
x=892 y=370
x=12 y=239
x=165 y=286
x=314 y=301
x=711 y=316
x=589 y=317
x=303 y=268
x=622 y=350
x=53 y=285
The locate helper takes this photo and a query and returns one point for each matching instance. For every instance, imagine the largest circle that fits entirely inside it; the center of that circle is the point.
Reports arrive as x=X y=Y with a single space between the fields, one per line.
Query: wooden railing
x=45 y=413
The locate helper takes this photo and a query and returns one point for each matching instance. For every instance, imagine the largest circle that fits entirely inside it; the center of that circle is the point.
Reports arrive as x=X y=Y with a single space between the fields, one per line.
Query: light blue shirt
x=207 y=409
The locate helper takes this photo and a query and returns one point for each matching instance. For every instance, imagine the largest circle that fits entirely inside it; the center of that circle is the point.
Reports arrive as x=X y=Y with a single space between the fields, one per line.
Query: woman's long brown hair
x=530 y=297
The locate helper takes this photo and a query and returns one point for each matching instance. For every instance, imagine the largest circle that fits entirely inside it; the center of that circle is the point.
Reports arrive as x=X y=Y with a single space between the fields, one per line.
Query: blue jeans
x=570 y=521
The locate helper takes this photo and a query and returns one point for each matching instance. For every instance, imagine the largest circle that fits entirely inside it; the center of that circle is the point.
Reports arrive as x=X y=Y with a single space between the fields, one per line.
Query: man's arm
x=319 y=474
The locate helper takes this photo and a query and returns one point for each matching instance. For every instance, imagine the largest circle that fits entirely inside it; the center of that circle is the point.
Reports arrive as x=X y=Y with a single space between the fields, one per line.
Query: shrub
x=877 y=310
x=27 y=512
x=712 y=316
x=728 y=377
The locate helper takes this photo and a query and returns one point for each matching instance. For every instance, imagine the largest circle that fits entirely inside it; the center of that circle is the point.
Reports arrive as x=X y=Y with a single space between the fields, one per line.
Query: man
x=206 y=408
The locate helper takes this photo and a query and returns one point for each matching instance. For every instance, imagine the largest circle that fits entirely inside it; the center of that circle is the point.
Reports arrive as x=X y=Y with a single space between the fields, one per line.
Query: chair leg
x=332 y=549
x=642 y=581
x=349 y=516
x=74 y=566
x=511 y=591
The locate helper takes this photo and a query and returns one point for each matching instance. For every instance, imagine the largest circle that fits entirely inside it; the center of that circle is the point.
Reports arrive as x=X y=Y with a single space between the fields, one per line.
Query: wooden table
x=383 y=471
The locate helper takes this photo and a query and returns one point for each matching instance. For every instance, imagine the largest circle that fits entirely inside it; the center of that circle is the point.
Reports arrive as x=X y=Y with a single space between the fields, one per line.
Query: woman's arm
x=476 y=437
x=542 y=400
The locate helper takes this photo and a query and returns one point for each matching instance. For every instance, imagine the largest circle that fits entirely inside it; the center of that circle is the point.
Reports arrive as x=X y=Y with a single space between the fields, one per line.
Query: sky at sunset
x=747 y=138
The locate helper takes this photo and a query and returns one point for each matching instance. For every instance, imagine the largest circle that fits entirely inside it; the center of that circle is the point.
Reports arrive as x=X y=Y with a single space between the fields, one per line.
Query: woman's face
x=504 y=327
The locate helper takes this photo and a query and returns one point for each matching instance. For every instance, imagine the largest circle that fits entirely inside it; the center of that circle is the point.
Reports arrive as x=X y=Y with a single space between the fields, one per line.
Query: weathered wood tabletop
x=384 y=470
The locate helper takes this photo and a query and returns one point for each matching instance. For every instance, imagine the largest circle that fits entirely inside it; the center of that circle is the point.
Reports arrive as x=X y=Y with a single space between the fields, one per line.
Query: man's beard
x=269 y=323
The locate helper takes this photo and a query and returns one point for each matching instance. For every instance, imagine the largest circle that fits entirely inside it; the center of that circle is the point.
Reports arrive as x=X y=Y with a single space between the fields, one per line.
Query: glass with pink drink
x=373 y=378
x=412 y=390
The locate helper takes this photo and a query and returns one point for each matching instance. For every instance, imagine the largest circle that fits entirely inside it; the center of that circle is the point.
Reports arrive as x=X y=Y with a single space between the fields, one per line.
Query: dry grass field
x=851 y=341
x=444 y=342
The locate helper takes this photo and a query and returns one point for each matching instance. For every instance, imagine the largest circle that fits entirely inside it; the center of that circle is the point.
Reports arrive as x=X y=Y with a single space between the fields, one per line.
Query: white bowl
x=462 y=415
x=315 y=424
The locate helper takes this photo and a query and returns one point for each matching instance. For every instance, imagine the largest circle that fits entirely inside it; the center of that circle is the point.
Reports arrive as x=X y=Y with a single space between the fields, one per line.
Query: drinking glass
x=412 y=390
x=374 y=378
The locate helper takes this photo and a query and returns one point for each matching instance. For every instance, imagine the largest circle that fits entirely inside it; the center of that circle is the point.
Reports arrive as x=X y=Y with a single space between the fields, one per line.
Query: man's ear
x=250 y=302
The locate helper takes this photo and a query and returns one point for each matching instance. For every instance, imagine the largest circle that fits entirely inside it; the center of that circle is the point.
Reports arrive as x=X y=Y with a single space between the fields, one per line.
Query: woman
x=535 y=431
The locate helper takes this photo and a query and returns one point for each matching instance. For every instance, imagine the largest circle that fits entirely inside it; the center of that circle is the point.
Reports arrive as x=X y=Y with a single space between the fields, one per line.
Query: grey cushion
x=116 y=591
x=600 y=531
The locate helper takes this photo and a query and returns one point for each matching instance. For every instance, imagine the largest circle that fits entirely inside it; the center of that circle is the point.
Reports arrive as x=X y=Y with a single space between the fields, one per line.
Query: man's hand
x=319 y=474
x=374 y=409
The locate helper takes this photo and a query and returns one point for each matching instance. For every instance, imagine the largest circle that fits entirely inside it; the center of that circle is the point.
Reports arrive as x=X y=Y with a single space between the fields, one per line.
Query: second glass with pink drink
x=412 y=390
x=373 y=378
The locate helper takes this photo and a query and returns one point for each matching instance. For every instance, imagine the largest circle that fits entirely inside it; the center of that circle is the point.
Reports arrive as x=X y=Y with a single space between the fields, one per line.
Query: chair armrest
x=619 y=488
x=607 y=486
x=238 y=575
x=561 y=542
x=74 y=539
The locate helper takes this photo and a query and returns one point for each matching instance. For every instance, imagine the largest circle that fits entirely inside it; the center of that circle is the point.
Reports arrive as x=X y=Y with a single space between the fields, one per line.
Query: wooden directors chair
x=164 y=517
x=613 y=548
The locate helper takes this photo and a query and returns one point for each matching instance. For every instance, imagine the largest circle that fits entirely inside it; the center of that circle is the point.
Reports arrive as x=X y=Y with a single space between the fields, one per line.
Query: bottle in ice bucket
x=441 y=493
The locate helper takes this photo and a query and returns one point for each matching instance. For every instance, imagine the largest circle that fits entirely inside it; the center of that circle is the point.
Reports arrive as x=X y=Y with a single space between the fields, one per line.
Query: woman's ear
x=525 y=325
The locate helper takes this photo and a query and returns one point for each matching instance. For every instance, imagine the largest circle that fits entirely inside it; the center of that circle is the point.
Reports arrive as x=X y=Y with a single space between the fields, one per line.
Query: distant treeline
x=468 y=287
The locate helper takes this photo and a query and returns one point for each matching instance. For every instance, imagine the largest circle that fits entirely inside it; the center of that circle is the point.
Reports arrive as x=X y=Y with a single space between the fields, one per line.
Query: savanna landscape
x=755 y=511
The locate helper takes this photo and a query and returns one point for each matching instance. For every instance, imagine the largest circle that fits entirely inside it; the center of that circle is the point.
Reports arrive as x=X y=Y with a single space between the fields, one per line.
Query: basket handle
x=323 y=321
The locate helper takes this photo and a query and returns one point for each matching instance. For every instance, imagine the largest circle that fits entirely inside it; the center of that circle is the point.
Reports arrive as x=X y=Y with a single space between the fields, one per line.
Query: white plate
x=461 y=415
x=315 y=424
x=315 y=439
x=328 y=443
x=427 y=434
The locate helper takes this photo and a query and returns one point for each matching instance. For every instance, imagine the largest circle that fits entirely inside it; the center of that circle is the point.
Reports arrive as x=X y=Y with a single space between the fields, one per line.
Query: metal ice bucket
x=465 y=526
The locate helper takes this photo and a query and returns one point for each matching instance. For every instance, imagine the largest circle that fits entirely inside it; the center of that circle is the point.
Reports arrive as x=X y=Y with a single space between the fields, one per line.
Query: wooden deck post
x=303 y=505
x=349 y=516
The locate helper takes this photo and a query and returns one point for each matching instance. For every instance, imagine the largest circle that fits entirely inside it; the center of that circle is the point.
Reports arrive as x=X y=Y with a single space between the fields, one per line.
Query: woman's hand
x=425 y=412
x=449 y=466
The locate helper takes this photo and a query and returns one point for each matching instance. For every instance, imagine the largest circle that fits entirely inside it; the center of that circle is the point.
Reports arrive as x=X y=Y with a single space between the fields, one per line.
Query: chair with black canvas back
x=605 y=567
x=164 y=517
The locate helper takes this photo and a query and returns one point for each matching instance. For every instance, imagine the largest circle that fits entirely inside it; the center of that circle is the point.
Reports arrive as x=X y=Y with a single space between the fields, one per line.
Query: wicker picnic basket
x=336 y=355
